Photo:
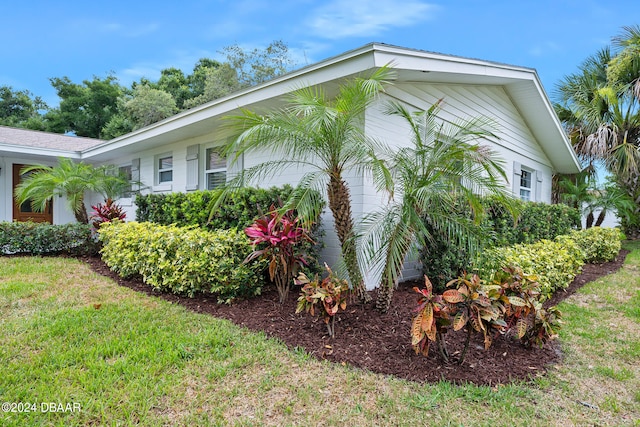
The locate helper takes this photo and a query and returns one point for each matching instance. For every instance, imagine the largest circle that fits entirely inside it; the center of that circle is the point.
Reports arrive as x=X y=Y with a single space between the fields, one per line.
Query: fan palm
x=71 y=180
x=324 y=137
x=600 y=107
x=440 y=168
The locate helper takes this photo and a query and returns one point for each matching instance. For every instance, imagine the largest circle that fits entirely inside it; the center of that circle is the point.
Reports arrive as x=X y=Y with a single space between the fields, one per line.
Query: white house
x=180 y=153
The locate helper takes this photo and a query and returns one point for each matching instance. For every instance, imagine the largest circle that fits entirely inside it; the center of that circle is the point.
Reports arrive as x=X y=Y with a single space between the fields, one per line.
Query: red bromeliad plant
x=330 y=294
x=106 y=212
x=277 y=237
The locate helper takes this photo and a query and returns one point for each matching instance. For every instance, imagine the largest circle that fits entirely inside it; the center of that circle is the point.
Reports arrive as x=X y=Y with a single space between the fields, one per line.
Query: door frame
x=18 y=214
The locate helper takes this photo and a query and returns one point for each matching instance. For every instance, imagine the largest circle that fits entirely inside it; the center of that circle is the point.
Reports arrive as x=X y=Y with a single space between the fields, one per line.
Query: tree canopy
x=103 y=108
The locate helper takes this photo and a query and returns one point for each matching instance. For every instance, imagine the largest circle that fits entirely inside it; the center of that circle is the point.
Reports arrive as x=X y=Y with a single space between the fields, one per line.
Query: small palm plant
x=443 y=165
x=71 y=180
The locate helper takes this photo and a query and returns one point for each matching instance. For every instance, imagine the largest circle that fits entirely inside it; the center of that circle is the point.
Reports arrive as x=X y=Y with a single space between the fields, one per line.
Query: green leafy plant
x=47 y=239
x=183 y=260
x=328 y=294
x=275 y=238
x=555 y=263
x=596 y=244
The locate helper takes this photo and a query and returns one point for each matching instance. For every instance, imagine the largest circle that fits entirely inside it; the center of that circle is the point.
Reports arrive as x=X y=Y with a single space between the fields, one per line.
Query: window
x=165 y=168
x=215 y=168
x=525 y=185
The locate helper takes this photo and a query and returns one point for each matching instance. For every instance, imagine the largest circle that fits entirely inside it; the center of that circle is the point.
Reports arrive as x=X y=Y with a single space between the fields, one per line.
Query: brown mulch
x=381 y=342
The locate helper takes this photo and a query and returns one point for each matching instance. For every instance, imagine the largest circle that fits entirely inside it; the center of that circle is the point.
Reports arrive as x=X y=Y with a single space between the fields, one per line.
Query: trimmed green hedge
x=444 y=260
x=183 y=260
x=537 y=221
x=46 y=239
x=597 y=244
x=184 y=209
x=555 y=264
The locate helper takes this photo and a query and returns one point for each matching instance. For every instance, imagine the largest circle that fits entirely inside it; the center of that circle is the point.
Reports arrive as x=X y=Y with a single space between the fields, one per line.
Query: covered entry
x=24 y=212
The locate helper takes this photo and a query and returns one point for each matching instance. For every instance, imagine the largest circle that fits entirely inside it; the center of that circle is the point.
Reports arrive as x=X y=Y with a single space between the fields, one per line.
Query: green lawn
x=105 y=355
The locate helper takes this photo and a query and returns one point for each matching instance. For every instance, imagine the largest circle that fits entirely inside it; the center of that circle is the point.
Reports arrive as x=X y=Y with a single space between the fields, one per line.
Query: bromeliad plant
x=329 y=294
x=510 y=302
x=275 y=237
x=106 y=212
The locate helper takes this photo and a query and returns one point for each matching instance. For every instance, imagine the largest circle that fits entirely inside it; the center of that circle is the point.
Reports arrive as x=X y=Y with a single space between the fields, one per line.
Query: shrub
x=444 y=260
x=241 y=209
x=275 y=238
x=106 y=212
x=183 y=209
x=597 y=244
x=183 y=260
x=537 y=221
x=329 y=294
x=509 y=302
x=46 y=239
x=555 y=263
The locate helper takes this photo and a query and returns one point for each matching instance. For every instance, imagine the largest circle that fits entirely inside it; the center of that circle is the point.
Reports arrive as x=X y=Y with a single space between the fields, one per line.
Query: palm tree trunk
x=340 y=205
x=601 y=217
x=81 y=214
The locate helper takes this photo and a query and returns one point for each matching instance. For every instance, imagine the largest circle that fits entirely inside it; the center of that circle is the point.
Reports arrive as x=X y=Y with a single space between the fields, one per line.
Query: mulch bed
x=381 y=343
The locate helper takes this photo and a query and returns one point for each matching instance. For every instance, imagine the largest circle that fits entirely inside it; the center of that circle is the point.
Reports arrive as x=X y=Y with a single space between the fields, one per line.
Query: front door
x=24 y=212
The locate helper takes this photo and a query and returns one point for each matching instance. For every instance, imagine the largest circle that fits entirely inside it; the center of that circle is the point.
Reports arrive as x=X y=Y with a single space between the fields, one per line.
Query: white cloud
x=362 y=18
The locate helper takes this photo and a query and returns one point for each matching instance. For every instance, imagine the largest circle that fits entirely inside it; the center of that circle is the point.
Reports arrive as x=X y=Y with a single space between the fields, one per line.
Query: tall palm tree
x=71 y=180
x=323 y=136
x=600 y=107
x=443 y=166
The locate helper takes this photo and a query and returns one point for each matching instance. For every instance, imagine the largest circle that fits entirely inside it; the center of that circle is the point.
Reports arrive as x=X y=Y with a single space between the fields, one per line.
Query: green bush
x=555 y=263
x=183 y=260
x=242 y=208
x=597 y=244
x=444 y=260
x=46 y=239
x=537 y=221
x=184 y=209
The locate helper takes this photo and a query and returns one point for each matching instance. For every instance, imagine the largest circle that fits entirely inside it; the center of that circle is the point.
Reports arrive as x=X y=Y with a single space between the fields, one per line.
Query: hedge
x=444 y=260
x=557 y=262
x=183 y=209
x=47 y=239
x=597 y=244
x=183 y=260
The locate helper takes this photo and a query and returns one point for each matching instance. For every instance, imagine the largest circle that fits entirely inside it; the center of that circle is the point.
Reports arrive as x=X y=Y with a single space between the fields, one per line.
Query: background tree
x=259 y=65
x=21 y=109
x=323 y=136
x=71 y=180
x=444 y=166
x=600 y=108
x=84 y=108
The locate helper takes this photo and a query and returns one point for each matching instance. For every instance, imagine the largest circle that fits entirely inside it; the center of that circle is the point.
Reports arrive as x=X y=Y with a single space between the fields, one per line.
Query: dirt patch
x=380 y=342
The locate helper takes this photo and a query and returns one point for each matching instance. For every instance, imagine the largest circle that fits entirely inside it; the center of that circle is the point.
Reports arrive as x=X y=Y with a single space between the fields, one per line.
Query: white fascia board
x=12 y=149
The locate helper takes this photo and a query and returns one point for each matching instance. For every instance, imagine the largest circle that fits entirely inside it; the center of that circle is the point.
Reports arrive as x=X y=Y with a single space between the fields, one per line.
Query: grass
x=71 y=337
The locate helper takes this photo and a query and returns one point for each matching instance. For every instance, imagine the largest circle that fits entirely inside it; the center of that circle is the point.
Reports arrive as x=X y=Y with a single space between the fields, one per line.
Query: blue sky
x=134 y=39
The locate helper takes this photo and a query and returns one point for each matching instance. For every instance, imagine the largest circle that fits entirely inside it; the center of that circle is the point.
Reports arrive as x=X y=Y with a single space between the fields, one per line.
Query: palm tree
x=443 y=166
x=325 y=137
x=71 y=180
x=600 y=107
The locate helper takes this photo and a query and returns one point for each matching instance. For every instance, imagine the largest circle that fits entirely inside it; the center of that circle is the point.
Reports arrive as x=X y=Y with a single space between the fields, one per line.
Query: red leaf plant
x=276 y=238
x=106 y=212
